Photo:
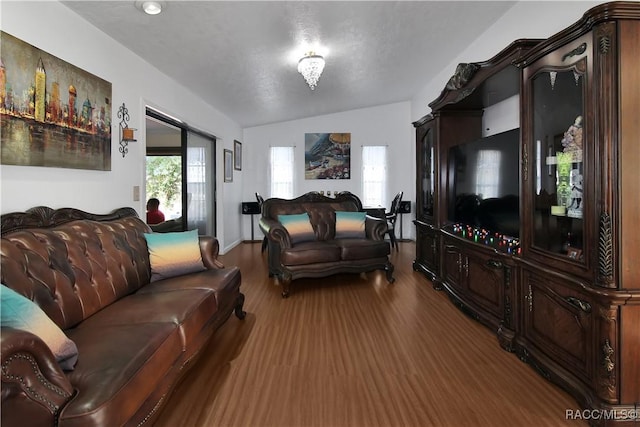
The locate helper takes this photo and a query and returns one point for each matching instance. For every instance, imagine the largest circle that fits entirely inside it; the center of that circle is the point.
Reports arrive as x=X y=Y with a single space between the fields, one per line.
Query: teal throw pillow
x=299 y=227
x=19 y=312
x=174 y=254
x=350 y=225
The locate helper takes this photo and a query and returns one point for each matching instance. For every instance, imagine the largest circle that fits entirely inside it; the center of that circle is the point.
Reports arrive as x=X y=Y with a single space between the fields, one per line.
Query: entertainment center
x=533 y=231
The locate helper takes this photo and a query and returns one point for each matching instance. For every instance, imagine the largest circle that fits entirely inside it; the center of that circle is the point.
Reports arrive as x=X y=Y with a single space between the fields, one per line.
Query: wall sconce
x=126 y=133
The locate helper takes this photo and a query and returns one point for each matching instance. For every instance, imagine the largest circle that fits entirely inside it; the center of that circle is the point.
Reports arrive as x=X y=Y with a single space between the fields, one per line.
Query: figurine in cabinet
x=563 y=185
x=574 y=209
x=572 y=140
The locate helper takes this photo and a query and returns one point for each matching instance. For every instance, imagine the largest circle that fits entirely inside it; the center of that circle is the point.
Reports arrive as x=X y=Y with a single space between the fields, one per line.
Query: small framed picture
x=574 y=253
x=228 y=166
x=237 y=155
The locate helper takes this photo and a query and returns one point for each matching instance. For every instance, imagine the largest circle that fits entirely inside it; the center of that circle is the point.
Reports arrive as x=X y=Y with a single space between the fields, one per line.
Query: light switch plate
x=136 y=193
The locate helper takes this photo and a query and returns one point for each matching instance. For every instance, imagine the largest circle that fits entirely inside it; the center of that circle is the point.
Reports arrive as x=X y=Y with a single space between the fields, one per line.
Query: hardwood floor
x=350 y=351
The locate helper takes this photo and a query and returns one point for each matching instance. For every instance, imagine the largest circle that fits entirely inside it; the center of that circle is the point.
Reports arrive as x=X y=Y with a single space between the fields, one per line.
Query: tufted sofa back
x=321 y=210
x=73 y=263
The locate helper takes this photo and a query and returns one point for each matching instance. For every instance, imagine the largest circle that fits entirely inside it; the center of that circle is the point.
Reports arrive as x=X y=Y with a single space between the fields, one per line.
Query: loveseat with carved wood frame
x=326 y=255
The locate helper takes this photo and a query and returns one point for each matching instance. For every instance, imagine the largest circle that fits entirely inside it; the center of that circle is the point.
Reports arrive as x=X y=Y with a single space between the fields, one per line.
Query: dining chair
x=265 y=241
x=391 y=217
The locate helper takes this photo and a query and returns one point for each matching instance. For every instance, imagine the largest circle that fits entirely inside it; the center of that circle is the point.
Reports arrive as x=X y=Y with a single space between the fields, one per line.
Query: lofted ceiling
x=241 y=56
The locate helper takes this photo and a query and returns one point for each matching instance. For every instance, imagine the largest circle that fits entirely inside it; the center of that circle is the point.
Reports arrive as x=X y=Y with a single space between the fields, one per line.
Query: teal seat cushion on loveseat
x=350 y=225
x=299 y=227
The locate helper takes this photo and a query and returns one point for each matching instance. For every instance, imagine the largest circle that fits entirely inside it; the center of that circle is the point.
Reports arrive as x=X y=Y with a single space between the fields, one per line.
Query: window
x=281 y=159
x=374 y=175
x=488 y=173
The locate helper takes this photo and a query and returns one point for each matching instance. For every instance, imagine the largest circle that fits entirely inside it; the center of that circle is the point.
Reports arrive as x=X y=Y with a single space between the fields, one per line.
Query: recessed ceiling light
x=150 y=7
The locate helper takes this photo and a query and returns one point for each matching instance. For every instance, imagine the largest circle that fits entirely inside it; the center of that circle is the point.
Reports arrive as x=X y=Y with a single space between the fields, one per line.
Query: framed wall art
x=327 y=155
x=54 y=114
x=228 y=165
x=237 y=155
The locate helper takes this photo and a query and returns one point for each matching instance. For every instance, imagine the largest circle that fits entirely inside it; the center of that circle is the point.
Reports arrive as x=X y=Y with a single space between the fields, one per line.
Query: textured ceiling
x=241 y=56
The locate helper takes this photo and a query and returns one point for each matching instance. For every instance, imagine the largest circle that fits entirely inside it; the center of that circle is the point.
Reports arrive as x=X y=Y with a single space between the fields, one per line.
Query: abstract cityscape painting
x=53 y=114
x=327 y=155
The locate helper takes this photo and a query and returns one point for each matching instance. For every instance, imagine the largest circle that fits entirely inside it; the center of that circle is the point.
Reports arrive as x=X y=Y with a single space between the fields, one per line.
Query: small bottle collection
x=501 y=242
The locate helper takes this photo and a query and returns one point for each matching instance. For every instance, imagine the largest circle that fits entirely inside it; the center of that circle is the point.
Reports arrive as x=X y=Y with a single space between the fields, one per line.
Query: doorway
x=164 y=167
x=180 y=172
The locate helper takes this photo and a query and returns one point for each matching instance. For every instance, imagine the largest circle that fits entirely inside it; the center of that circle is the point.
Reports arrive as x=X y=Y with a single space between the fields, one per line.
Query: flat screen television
x=484 y=186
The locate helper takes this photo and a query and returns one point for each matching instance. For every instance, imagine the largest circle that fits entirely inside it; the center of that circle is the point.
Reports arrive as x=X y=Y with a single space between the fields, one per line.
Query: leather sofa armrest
x=274 y=230
x=209 y=249
x=34 y=387
x=375 y=228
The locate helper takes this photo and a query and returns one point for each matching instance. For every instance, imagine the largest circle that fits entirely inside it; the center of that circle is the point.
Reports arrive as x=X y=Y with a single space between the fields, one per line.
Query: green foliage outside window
x=164 y=179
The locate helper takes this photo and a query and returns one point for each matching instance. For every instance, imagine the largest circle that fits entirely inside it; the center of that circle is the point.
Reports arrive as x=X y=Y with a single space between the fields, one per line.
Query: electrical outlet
x=136 y=193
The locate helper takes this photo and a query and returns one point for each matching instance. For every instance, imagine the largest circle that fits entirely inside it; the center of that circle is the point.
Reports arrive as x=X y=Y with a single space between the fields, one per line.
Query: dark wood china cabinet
x=426 y=166
x=580 y=279
x=433 y=131
x=479 y=277
x=561 y=288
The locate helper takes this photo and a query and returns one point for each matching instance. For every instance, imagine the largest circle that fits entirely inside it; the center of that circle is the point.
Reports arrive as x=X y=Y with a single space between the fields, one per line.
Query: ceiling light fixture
x=151 y=7
x=311 y=66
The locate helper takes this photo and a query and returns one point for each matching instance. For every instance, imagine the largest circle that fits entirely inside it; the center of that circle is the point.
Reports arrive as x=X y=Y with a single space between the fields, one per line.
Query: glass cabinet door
x=558 y=123
x=426 y=176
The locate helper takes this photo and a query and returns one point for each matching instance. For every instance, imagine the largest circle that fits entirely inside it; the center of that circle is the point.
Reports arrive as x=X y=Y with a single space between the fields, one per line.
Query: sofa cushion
x=118 y=362
x=352 y=249
x=19 y=312
x=188 y=309
x=311 y=253
x=350 y=225
x=224 y=282
x=173 y=254
x=298 y=226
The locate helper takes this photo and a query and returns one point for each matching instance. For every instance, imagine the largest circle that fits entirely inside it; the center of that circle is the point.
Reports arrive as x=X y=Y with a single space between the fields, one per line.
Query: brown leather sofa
x=325 y=255
x=91 y=275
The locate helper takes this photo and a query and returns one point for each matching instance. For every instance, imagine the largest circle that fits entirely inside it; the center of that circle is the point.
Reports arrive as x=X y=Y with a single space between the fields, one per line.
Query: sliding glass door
x=196 y=151
x=200 y=188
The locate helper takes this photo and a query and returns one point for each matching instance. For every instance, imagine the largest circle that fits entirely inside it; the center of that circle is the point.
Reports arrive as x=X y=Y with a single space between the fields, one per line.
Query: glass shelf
x=426 y=172
x=499 y=242
x=558 y=133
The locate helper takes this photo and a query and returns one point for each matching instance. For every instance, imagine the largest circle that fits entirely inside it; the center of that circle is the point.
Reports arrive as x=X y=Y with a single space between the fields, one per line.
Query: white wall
x=383 y=125
x=53 y=28
x=526 y=19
